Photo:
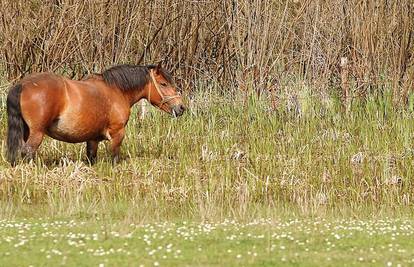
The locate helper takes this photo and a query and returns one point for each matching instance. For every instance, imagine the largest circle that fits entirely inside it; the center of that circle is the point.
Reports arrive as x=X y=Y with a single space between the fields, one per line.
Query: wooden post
x=142 y=109
x=345 y=82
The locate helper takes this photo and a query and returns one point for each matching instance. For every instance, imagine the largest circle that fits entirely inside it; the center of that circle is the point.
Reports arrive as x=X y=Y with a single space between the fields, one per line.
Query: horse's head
x=162 y=92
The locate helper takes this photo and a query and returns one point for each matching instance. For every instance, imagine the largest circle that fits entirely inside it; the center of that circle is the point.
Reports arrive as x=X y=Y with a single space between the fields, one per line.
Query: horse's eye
x=163 y=84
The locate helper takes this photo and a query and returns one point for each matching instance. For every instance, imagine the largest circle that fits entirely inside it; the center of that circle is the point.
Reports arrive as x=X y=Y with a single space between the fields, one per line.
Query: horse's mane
x=130 y=77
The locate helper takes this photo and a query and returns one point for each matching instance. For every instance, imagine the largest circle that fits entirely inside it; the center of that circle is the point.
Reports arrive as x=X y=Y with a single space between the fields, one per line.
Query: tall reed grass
x=242 y=45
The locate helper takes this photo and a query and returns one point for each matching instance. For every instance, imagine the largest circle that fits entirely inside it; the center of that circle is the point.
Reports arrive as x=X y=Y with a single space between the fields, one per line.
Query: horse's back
x=43 y=83
x=36 y=76
x=36 y=82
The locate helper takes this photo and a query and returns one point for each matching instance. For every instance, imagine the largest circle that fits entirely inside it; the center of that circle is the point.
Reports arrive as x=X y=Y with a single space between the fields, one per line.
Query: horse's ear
x=159 y=65
x=158 y=68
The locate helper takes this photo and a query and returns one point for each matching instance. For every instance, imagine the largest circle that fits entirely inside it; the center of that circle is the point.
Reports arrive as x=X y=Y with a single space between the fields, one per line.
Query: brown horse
x=90 y=110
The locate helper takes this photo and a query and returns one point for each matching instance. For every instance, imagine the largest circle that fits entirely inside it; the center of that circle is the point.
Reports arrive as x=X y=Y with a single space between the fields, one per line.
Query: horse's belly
x=75 y=130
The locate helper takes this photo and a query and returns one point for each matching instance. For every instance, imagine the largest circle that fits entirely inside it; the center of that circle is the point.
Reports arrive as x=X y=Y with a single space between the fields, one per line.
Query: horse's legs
x=91 y=150
x=32 y=144
x=116 y=141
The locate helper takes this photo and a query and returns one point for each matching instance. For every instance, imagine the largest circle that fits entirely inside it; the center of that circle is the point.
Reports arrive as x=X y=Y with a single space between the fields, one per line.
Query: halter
x=164 y=99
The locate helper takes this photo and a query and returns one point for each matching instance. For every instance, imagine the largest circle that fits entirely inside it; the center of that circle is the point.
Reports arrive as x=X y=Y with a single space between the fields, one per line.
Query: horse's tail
x=16 y=127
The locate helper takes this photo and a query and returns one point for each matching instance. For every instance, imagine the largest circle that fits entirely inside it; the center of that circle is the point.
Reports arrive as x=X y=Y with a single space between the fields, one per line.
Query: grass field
x=294 y=242
x=312 y=170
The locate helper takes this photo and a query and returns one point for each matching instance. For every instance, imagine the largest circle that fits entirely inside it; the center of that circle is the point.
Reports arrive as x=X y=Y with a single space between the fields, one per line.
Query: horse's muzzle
x=177 y=110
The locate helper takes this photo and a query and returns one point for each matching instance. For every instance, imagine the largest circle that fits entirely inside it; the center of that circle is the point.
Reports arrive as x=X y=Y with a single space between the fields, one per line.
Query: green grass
x=228 y=159
x=306 y=158
x=294 y=242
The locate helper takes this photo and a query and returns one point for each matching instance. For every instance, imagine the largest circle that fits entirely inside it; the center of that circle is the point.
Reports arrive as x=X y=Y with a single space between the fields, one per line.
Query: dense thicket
x=245 y=44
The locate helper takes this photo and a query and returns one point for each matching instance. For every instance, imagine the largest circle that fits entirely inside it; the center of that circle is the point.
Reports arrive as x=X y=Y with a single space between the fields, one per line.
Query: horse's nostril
x=179 y=110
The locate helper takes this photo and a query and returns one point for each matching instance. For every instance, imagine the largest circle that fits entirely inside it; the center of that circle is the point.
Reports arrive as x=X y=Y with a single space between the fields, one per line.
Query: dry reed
x=244 y=45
